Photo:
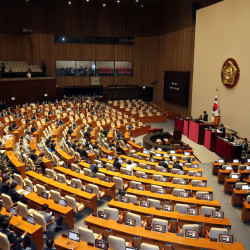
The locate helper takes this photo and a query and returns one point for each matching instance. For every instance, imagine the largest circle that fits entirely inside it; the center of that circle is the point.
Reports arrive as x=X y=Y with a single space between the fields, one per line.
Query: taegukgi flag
x=216 y=109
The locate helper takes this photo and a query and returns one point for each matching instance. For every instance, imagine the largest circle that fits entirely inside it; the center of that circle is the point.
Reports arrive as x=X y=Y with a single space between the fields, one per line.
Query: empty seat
x=131 y=198
x=156 y=177
x=116 y=243
x=182 y=208
x=87 y=235
x=195 y=182
x=194 y=227
x=146 y=246
x=23 y=210
x=205 y=210
x=71 y=202
x=113 y=213
x=176 y=191
x=135 y=217
x=19 y=178
x=119 y=183
x=7 y=202
x=215 y=232
x=55 y=195
x=4 y=241
x=155 y=187
x=96 y=191
x=154 y=203
x=134 y=183
x=156 y=221
x=28 y=182
x=199 y=194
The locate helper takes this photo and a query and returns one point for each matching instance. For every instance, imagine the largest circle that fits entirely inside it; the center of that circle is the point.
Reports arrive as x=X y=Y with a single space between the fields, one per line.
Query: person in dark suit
x=33 y=129
x=205 y=116
x=163 y=163
x=14 y=195
x=70 y=130
x=245 y=145
x=17 y=241
x=3 y=217
x=222 y=128
x=231 y=138
x=177 y=165
x=117 y=164
x=94 y=169
x=33 y=155
x=4 y=186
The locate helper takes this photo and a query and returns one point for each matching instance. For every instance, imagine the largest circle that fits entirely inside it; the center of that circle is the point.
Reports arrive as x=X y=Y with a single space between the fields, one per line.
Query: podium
x=210 y=138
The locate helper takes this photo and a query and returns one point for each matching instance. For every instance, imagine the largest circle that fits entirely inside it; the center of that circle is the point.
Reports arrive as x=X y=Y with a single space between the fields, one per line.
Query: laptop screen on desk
x=184 y=194
x=106 y=179
x=129 y=222
x=187 y=153
x=159 y=228
x=89 y=190
x=229 y=168
x=244 y=187
x=236 y=161
x=198 y=174
x=191 y=234
x=160 y=191
x=45 y=195
x=218 y=214
x=144 y=203
x=29 y=188
x=139 y=187
x=103 y=215
x=235 y=176
x=163 y=179
x=101 y=244
x=145 y=152
x=168 y=207
x=220 y=161
x=110 y=157
x=224 y=238
x=74 y=236
x=174 y=158
x=62 y=202
x=13 y=211
x=158 y=155
x=208 y=197
x=123 y=199
x=172 y=151
x=192 y=211
x=31 y=219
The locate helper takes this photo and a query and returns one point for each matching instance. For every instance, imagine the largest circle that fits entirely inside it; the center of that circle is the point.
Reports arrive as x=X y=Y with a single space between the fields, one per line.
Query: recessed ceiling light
x=142 y=5
x=69 y=2
x=137 y=1
x=104 y=4
x=118 y=1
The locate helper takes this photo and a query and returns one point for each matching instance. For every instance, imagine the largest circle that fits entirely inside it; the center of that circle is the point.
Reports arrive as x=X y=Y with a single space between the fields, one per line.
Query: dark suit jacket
x=4 y=188
x=205 y=118
x=15 y=196
x=231 y=139
x=163 y=164
x=13 y=239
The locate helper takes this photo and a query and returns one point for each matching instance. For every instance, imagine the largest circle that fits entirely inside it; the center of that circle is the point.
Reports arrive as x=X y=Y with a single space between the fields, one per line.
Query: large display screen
x=176 y=87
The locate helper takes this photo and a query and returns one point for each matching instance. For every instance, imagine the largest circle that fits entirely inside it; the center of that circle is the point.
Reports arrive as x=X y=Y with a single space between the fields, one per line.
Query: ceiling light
x=142 y=5
x=137 y=1
x=118 y=1
x=87 y=0
x=104 y=4
x=69 y=2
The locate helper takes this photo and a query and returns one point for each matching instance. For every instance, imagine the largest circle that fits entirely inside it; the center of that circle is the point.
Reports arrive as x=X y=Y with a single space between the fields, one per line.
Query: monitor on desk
x=159 y=228
x=91 y=151
x=107 y=179
x=45 y=195
x=159 y=149
x=139 y=187
x=198 y=174
x=158 y=155
x=148 y=167
x=229 y=167
x=139 y=157
x=225 y=238
x=184 y=194
x=123 y=199
x=160 y=191
x=121 y=161
x=163 y=179
x=31 y=219
x=128 y=172
x=235 y=176
x=100 y=165
x=103 y=215
x=29 y=188
x=195 y=166
x=236 y=161
x=89 y=190
x=15 y=181
x=91 y=175
x=144 y=176
x=62 y=202
x=248 y=160
x=187 y=153
x=109 y=148
x=182 y=182
x=174 y=157
x=220 y=161
x=144 y=203
x=74 y=236
x=180 y=172
x=129 y=222
x=248 y=167
x=89 y=161
x=193 y=211
x=202 y=184
x=172 y=151
x=101 y=244
x=73 y=185
x=191 y=234
x=13 y=211
x=208 y=197
x=145 y=151
x=168 y=207
x=245 y=187
x=218 y=214
x=110 y=157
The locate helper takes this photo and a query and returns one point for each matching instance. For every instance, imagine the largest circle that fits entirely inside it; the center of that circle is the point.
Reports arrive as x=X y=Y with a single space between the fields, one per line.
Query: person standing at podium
x=205 y=116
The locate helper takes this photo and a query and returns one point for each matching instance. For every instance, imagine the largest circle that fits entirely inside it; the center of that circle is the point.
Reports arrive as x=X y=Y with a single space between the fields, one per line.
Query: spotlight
x=144 y=87
x=87 y=0
x=137 y=1
x=63 y=39
x=118 y=1
x=69 y=2
x=142 y=5
x=104 y=4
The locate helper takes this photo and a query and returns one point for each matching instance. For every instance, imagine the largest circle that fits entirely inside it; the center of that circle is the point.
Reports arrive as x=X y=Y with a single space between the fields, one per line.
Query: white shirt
x=130 y=167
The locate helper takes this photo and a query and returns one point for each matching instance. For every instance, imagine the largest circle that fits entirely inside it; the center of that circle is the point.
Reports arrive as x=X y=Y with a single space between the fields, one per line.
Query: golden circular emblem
x=230 y=73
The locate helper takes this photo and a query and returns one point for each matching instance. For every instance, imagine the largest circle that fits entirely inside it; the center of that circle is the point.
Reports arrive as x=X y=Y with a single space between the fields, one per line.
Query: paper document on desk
x=20 y=191
x=25 y=193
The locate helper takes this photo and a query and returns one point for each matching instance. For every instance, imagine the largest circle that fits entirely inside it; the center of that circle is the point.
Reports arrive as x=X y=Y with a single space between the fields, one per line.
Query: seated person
x=46 y=119
x=237 y=141
x=222 y=128
x=119 y=149
x=163 y=163
x=177 y=165
x=117 y=164
x=49 y=217
x=3 y=217
x=48 y=140
x=14 y=195
x=130 y=166
x=32 y=155
x=94 y=169
x=50 y=243
x=245 y=145
x=33 y=129
x=4 y=185
x=39 y=161
x=231 y=138
x=70 y=130
x=205 y=116
x=13 y=237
